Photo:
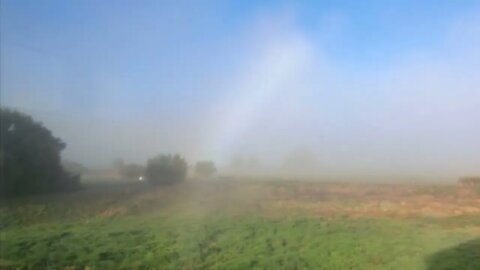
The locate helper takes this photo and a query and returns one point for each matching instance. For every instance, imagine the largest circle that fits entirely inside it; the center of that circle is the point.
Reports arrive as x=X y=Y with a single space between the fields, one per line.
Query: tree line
x=30 y=161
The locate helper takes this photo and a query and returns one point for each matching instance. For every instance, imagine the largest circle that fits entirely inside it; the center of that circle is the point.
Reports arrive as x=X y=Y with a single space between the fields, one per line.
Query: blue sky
x=365 y=85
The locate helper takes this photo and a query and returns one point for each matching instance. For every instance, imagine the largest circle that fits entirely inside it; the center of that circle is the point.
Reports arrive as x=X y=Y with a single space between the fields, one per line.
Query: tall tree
x=30 y=157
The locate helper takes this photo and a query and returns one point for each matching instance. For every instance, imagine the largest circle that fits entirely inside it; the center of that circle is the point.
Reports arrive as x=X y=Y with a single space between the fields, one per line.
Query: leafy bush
x=30 y=157
x=74 y=167
x=132 y=171
x=166 y=169
x=469 y=181
x=205 y=168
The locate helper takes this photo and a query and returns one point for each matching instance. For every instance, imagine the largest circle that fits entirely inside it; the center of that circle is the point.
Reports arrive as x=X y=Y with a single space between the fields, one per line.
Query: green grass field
x=231 y=225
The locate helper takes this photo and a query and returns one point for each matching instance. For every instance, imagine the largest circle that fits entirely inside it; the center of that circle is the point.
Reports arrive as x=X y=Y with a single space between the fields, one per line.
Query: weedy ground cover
x=233 y=225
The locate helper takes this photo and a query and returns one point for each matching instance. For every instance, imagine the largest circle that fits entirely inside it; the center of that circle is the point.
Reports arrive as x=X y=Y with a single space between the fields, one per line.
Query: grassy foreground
x=222 y=226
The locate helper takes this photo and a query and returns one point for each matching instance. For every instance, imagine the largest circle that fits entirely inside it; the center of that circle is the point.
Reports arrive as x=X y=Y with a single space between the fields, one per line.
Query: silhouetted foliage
x=74 y=167
x=132 y=171
x=465 y=256
x=166 y=169
x=205 y=168
x=470 y=181
x=30 y=157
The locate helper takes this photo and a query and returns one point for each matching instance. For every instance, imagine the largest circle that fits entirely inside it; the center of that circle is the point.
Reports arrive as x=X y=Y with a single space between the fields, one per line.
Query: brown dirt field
x=377 y=200
x=273 y=198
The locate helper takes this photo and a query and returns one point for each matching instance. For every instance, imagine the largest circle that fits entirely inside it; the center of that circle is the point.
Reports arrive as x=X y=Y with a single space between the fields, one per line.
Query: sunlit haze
x=331 y=88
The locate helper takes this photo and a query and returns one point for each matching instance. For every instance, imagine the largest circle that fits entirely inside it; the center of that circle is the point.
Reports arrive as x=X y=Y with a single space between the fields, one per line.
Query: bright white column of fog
x=298 y=87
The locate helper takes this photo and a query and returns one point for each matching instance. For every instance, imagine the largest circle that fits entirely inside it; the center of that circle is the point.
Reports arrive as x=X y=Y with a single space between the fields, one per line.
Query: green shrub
x=166 y=169
x=470 y=181
x=132 y=171
x=74 y=167
x=205 y=168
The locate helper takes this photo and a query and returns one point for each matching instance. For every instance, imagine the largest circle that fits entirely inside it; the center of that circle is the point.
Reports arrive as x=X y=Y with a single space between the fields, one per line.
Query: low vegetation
x=166 y=169
x=205 y=168
x=218 y=223
x=470 y=181
x=132 y=171
x=241 y=224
